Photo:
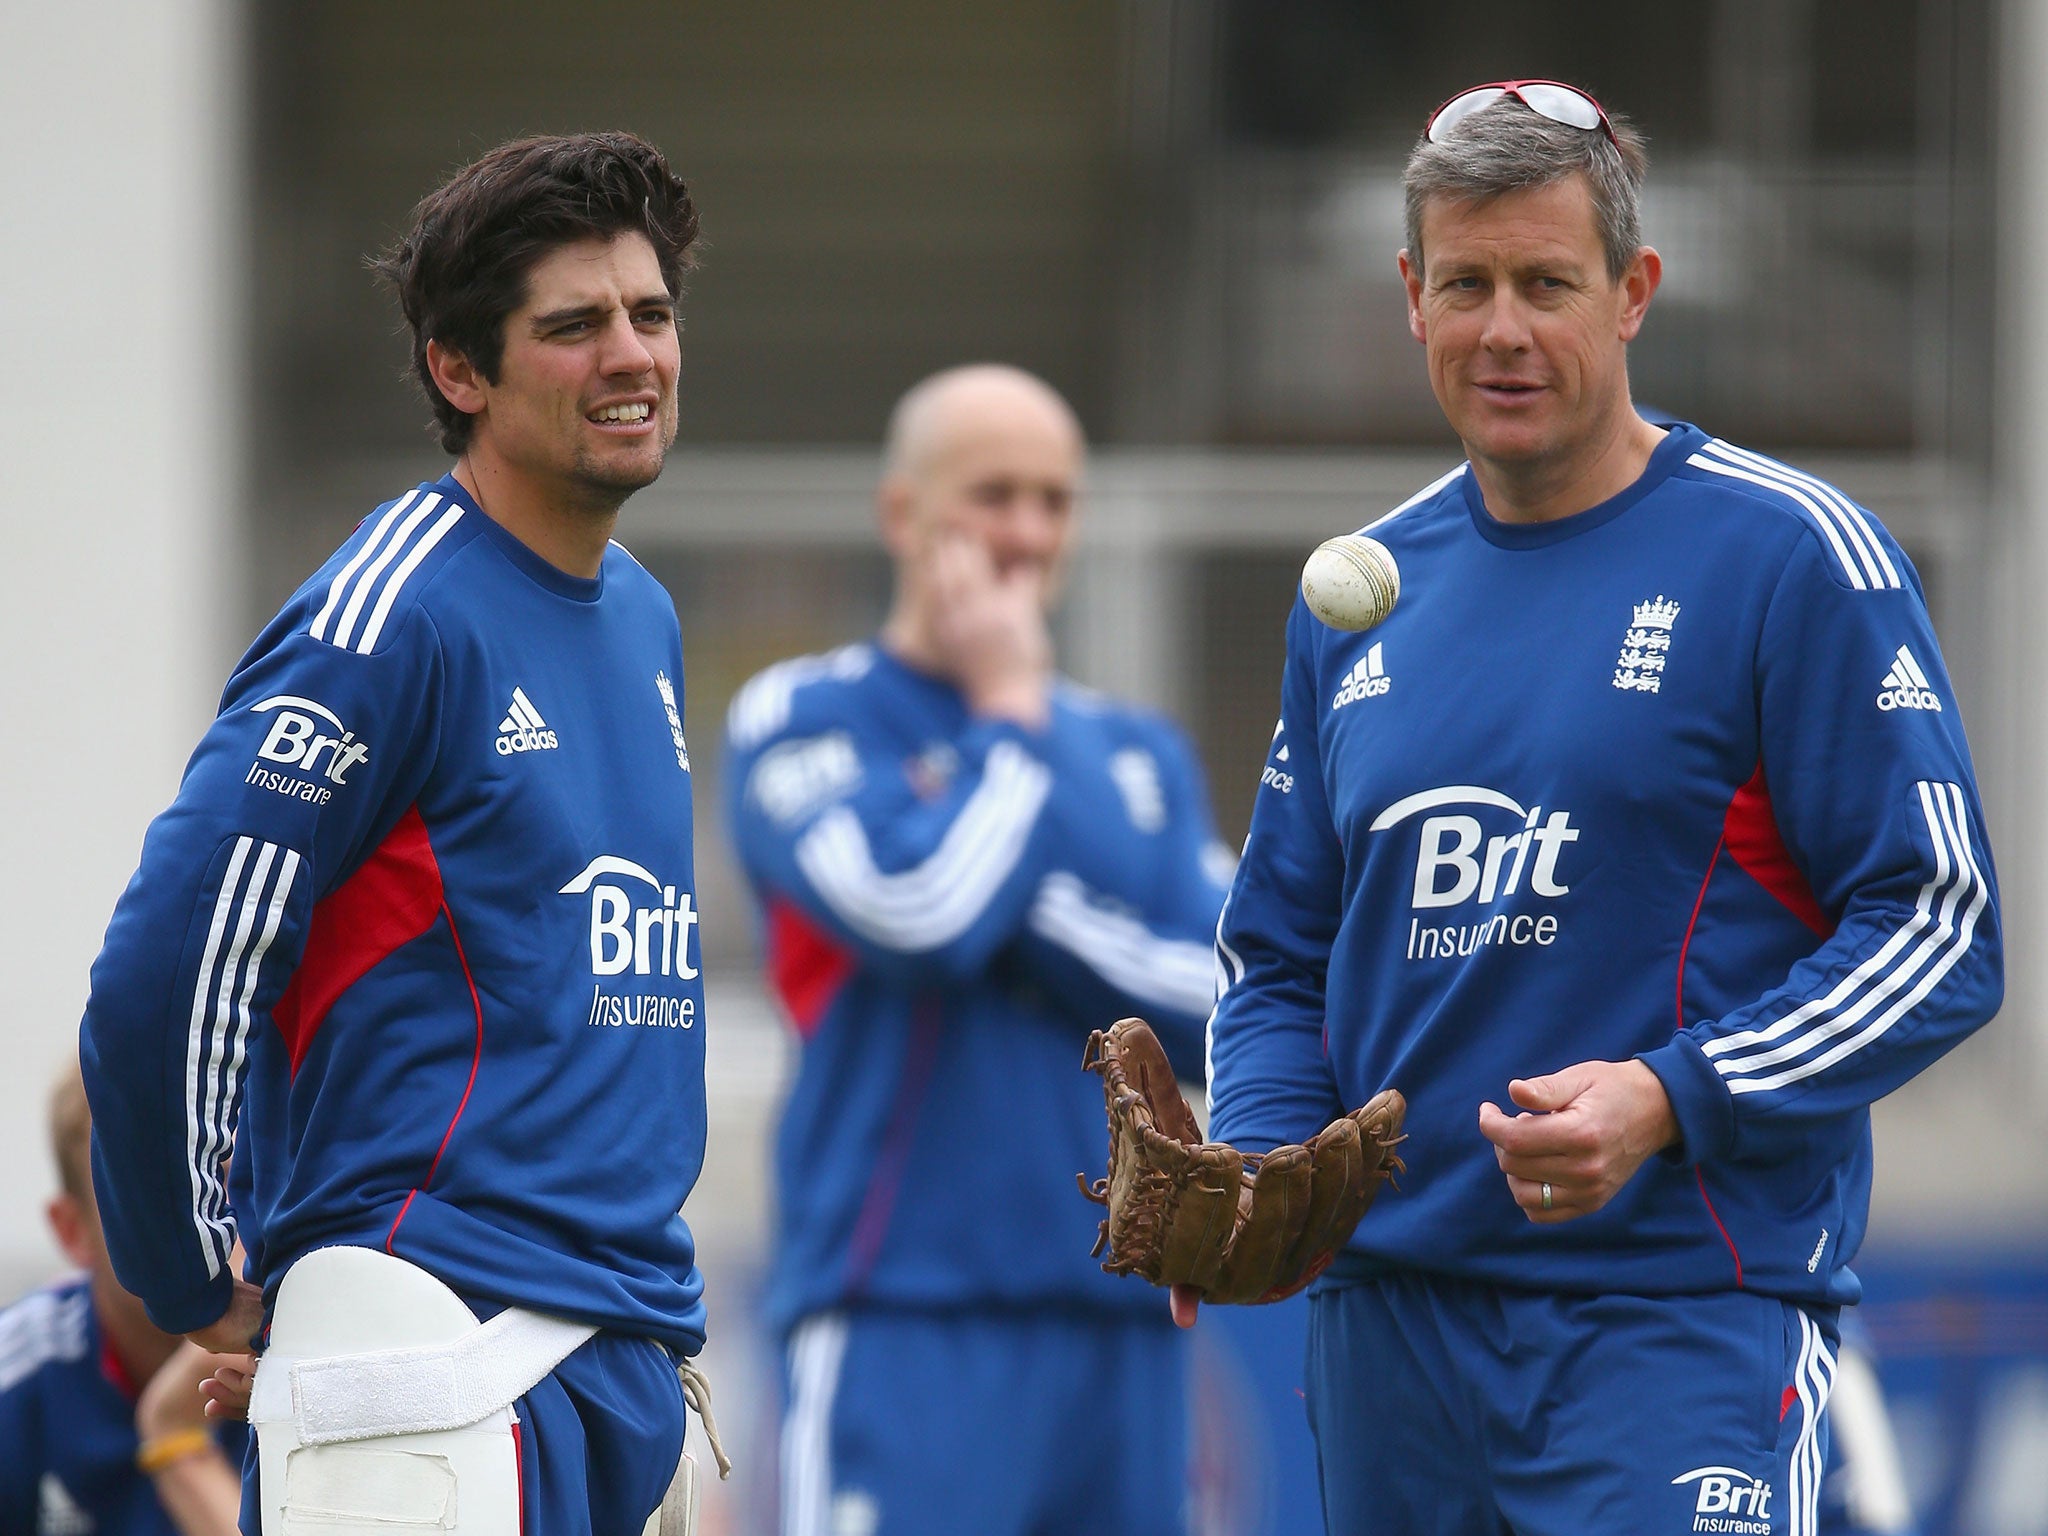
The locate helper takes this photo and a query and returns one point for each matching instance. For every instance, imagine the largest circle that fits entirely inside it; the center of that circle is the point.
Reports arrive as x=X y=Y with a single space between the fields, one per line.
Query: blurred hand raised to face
x=987 y=625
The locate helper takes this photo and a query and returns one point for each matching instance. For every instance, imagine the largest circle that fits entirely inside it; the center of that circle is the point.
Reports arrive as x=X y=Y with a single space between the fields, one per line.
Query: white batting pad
x=383 y=1406
x=677 y=1515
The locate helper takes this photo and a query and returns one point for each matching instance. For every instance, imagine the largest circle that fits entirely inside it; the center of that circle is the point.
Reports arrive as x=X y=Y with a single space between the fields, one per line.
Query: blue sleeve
x=315 y=754
x=1870 y=782
x=1269 y=1076
x=1145 y=943
x=922 y=881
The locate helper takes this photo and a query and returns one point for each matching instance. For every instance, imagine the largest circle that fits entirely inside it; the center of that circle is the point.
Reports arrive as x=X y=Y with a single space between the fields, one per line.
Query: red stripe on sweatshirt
x=391 y=899
x=1750 y=830
x=805 y=965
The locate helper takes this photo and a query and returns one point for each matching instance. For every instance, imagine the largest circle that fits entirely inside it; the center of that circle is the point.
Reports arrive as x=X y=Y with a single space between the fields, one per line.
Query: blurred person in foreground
x=1663 y=834
x=421 y=922
x=102 y=1425
x=1863 y=1491
x=965 y=863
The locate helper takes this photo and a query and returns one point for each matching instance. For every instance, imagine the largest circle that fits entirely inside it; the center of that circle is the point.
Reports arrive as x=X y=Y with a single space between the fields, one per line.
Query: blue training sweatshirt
x=950 y=905
x=67 y=1424
x=419 y=936
x=1679 y=778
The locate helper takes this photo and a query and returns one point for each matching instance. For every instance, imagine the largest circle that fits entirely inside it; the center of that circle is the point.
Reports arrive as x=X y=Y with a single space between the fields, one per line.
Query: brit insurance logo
x=638 y=927
x=313 y=752
x=793 y=779
x=1727 y=1501
x=1367 y=679
x=1276 y=772
x=1475 y=848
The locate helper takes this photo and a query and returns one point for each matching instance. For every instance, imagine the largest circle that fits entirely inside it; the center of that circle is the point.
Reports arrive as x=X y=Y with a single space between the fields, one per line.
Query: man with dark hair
x=462 y=267
x=419 y=930
x=101 y=1421
x=1663 y=833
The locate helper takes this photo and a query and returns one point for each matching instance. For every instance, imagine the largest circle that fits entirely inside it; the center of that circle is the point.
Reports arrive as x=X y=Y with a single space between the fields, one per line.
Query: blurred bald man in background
x=965 y=863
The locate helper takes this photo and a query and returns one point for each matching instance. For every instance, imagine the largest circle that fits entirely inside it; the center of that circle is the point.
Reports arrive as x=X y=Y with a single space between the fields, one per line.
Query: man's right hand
x=227 y=1390
x=235 y=1330
x=988 y=627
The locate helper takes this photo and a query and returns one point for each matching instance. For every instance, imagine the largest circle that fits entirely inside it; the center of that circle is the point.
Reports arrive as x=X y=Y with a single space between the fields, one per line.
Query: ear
x=1638 y=287
x=457 y=378
x=894 y=505
x=1411 y=279
x=68 y=1224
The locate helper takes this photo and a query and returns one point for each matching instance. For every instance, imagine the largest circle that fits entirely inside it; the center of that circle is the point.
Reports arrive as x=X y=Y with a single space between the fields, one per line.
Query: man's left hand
x=1583 y=1133
x=236 y=1328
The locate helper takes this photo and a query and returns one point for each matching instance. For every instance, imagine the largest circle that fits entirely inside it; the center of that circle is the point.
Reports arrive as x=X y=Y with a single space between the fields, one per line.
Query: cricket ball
x=1350 y=582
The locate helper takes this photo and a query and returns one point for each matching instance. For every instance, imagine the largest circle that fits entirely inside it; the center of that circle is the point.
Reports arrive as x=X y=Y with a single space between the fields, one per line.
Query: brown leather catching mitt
x=1237 y=1227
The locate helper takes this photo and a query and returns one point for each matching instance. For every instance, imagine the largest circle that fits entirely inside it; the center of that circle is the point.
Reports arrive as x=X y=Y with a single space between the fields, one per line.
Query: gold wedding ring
x=1546 y=1197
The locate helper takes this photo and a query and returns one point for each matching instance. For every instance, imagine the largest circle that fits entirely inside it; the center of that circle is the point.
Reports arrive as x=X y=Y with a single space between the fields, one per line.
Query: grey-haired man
x=1664 y=835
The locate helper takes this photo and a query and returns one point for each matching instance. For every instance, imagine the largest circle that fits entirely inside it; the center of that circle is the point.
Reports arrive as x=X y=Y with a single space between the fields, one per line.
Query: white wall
x=120 y=245
x=2018 y=740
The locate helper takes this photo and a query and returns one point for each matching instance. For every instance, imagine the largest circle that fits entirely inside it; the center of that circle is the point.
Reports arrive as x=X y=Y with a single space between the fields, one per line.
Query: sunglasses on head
x=1553 y=99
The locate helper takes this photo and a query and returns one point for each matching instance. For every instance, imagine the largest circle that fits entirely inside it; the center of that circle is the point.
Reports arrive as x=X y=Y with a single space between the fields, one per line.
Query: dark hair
x=462 y=267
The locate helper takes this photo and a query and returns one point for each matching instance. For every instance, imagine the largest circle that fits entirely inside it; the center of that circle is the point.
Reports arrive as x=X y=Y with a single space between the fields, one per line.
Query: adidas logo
x=1905 y=686
x=1366 y=680
x=60 y=1514
x=523 y=730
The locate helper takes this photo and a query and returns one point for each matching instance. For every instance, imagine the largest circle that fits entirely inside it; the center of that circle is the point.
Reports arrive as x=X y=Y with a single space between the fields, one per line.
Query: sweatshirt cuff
x=192 y=1310
x=1700 y=1102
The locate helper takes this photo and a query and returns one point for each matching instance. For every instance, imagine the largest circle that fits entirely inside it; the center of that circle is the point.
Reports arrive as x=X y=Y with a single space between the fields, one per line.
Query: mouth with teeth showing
x=623 y=415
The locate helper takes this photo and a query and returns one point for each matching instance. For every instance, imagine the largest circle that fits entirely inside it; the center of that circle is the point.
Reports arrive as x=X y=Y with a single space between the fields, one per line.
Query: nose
x=1035 y=525
x=625 y=350
x=1507 y=322
x=1031 y=527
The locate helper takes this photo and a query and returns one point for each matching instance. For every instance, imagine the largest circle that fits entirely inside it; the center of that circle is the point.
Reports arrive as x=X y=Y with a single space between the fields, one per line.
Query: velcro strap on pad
x=419 y=1390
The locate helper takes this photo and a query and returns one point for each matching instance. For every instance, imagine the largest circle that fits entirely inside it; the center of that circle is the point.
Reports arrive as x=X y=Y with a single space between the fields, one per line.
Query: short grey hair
x=1506 y=148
